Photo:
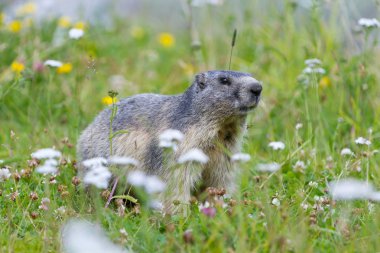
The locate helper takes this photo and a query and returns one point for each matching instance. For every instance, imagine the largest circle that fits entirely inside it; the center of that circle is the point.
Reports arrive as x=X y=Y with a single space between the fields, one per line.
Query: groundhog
x=211 y=114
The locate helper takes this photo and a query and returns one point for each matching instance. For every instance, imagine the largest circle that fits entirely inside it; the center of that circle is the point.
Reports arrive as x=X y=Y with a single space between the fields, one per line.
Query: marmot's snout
x=250 y=94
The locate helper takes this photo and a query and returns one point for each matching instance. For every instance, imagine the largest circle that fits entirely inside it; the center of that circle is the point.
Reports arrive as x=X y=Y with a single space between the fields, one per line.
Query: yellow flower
x=15 y=26
x=324 y=82
x=64 y=22
x=108 y=100
x=28 y=8
x=17 y=67
x=65 y=68
x=80 y=25
x=137 y=32
x=166 y=40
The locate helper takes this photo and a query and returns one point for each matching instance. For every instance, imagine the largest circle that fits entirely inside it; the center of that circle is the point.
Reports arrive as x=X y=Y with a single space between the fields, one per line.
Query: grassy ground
x=271 y=212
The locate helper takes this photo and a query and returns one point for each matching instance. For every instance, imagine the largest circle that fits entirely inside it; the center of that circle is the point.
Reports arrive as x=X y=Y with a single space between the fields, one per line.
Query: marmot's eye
x=224 y=80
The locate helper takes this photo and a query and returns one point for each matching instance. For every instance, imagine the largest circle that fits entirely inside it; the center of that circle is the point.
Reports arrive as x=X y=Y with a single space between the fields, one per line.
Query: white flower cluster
x=193 y=155
x=76 y=33
x=151 y=184
x=362 y=141
x=170 y=138
x=240 y=157
x=50 y=164
x=346 y=152
x=351 y=189
x=97 y=174
x=277 y=145
x=4 y=174
x=199 y=3
x=369 y=22
x=79 y=236
x=313 y=67
x=53 y=63
x=268 y=167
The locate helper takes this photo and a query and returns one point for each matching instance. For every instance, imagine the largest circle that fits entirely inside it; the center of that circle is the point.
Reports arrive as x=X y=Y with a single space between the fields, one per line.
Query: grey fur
x=210 y=113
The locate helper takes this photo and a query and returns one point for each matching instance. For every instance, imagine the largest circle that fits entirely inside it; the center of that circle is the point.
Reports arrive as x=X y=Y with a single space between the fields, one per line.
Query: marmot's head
x=228 y=92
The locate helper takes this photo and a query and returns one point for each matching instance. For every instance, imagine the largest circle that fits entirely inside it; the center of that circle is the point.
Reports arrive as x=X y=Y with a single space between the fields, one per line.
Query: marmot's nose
x=255 y=88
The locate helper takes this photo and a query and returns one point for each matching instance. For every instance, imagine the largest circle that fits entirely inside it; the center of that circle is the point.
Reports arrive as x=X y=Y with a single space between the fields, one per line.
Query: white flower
x=299 y=126
x=169 y=138
x=4 y=174
x=304 y=206
x=275 y=145
x=313 y=184
x=136 y=178
x=46 y=153
x=94 y=162
x=350 y=189
x=120 y=160
x=270 y=167
x=313 y=62
x=299 y=165
x=79 y=236
x=193 y=155
x=49 y=167
x=151 y=184
x=240 y=157
x=198 y=3
x=362 y=141
x=53 y=63
x=155 y=204
x=98 y=176
x=154 y=185
x=369 y=22
x=276 y=202
x=310 y=70
x=75 y=33
x=346 y=151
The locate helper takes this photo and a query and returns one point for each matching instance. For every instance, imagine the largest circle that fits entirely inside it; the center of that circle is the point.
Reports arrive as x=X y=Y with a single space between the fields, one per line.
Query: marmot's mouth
x=248 y=108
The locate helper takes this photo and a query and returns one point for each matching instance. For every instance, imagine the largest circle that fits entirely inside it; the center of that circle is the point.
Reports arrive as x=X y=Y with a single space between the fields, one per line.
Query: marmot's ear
x=200 y=80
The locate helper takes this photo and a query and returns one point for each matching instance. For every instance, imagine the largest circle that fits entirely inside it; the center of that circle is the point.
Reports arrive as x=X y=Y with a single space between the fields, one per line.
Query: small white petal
x=46 y=153
x=369 y=22
x=94 y=162
x=136 y=178
x=53 y=63
x=346 y=151
x=299 y=125
x=47 y=169
x=98 y=176
x=75 y=33
x=270 y=167
x=193 y=155
x=4 y=174
x=350 y=189
x=240 y=157
x=362 y=141
x=276 y=202
x=154 y=185
x=79 y=236
x=313 y=62
x=276 y=145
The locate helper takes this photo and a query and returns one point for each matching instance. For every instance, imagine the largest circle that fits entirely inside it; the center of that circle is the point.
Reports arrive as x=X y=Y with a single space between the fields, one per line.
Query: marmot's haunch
x=211 y=114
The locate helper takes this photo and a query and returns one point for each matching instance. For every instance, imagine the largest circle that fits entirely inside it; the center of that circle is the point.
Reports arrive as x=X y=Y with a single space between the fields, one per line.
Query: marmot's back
x=142 y=113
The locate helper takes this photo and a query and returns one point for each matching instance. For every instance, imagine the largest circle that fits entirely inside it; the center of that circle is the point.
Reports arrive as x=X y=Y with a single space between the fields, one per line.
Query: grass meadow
x=315 y=108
